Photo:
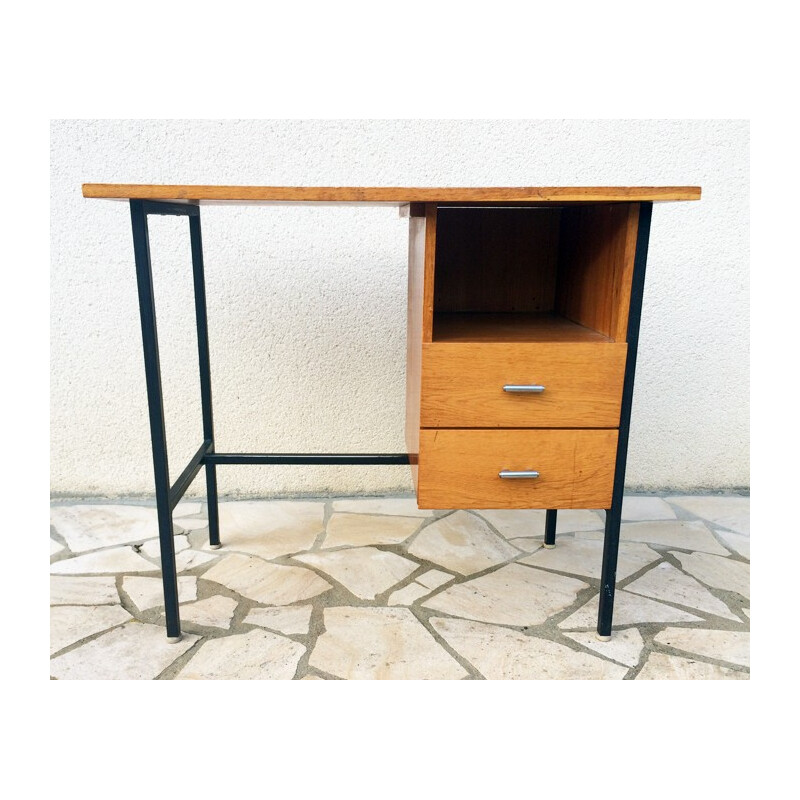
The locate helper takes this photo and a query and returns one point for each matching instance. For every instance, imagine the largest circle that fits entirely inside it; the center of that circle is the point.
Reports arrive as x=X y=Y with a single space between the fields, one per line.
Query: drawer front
x=461 y=468
x=462 y=385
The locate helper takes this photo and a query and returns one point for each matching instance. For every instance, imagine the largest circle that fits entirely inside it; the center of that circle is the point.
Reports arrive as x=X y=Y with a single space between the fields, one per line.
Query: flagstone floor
x=373 y=588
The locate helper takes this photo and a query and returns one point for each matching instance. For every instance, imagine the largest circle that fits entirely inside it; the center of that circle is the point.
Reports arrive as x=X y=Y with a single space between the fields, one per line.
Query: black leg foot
x=608 y=577
x=550 y=528
x=213 y=507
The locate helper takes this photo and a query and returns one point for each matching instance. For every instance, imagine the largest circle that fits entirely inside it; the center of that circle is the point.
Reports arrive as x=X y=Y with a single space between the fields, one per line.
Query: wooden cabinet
x=517 y=349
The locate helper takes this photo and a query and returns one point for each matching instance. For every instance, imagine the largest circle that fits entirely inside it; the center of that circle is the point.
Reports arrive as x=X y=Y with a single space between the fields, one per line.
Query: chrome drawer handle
x=518 y=473
x=532 y=388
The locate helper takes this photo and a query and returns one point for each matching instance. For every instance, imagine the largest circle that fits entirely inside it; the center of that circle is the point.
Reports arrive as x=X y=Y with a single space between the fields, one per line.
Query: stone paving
x=374 y=588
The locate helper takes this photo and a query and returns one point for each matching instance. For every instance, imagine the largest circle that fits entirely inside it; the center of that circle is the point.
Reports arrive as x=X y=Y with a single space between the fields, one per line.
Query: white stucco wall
x=307 y=305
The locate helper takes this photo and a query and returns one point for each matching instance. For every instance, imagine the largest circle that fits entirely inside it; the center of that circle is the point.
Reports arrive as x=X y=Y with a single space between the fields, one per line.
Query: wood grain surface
x=462 y=385
x=598 y=245
x=416 y=277
x=460 y=468
x=546 y=327
x=496 y=259
x=388 y=194
x=431 y=232
x=421 y=249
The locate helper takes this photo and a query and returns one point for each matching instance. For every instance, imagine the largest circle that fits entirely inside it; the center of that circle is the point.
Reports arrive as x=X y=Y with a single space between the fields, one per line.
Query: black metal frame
x=550 y=527
x=168 y=496
x=608 y=576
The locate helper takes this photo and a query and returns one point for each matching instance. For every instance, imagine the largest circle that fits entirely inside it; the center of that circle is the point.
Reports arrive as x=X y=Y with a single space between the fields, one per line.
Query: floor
x=373 y=588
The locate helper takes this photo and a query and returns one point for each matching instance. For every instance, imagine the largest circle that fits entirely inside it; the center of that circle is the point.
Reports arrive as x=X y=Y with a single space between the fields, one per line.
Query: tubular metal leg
x=204 y=359
x=608 y=577
x=550 y=528
x=155 y=402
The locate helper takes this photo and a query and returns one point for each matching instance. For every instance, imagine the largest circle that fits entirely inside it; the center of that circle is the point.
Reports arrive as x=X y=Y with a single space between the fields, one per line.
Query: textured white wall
x=307 y=305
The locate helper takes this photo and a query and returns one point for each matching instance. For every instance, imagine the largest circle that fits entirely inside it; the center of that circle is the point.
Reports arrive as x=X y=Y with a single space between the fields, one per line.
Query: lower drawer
x=461 y=468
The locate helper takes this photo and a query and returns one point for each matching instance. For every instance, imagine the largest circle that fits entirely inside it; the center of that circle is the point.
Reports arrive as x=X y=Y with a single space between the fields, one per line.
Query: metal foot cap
x=215 y=546
x=549 y=546
x=603 y=638
x=174 y=639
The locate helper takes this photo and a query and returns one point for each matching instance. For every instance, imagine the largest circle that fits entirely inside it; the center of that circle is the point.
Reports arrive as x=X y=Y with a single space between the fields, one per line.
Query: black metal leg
x=213 y=506
x=550 y=527
x=608 y=577
x=205 y=376
x=167 y=497
x=147 y=312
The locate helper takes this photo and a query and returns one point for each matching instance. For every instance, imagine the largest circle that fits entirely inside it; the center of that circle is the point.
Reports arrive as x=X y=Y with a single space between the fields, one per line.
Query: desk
x=524 y=307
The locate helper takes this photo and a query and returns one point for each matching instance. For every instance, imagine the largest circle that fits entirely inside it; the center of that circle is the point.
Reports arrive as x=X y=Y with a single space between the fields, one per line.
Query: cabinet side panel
x=417 y=237
x=595 y=266
x=429 y=266
x=623 y=281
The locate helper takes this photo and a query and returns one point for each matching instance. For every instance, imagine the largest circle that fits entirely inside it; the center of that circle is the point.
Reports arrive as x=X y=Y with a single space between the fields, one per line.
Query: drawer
x=462 y=385
x=460 y=468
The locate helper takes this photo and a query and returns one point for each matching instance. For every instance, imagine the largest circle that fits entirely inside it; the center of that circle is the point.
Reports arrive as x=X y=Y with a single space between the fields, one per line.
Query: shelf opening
x=517 y=274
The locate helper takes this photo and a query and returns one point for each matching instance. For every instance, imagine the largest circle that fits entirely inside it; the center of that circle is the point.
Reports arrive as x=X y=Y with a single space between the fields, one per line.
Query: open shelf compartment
x=533 y=274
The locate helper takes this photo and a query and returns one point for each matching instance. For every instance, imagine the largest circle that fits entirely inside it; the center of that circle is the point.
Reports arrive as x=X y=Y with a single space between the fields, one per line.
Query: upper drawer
x=462 y=385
